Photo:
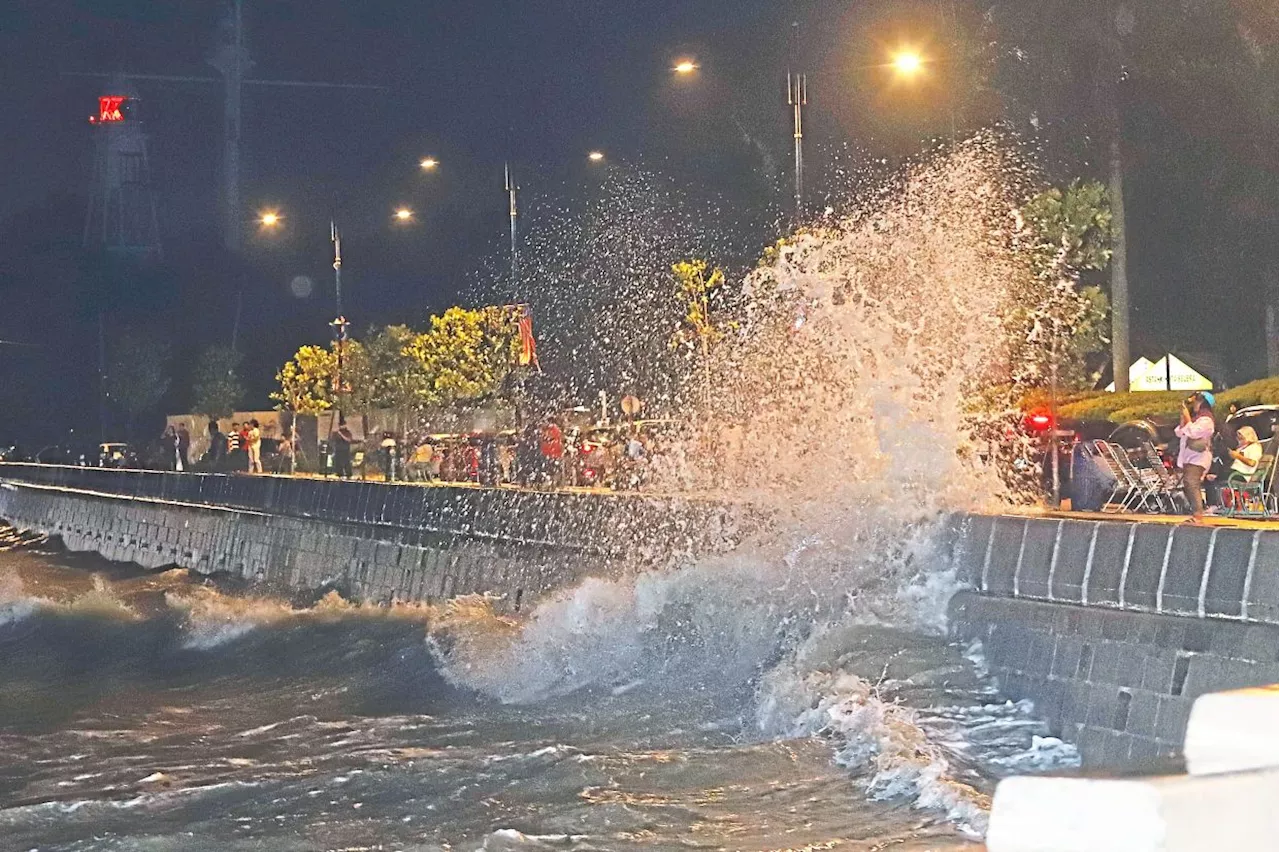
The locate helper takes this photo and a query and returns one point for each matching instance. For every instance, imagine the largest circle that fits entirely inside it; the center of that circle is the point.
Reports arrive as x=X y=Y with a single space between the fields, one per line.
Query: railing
x=1170 y=569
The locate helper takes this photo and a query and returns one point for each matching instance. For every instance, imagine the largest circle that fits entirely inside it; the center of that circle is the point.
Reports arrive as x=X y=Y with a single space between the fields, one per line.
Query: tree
x=136 y=377
x=216 y=388
x=466 y=354
x=307 y=380
x=1063 y=232
x=695 y=288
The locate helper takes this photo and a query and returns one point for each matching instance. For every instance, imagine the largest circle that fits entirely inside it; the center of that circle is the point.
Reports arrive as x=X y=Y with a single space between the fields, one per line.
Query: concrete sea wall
x=1113 y=629
x=371 y=541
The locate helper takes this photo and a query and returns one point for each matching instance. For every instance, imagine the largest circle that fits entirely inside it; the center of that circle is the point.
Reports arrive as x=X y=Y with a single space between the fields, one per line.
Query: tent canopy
x=1169 y=373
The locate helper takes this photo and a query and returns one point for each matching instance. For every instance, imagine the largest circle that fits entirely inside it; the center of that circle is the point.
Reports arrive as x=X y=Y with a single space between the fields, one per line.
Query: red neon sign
x=109 y=108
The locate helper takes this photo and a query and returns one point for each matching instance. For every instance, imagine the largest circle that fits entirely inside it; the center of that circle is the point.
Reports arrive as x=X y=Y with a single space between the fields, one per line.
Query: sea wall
x=1110 y=627
x=373 y=542
x=1114 y=628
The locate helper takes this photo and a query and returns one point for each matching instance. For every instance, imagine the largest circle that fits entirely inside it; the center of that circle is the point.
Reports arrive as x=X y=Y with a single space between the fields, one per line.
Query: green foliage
x=695 y=288
x=464 y=355
x=137 y=374
x=1104 y=405
x=307 y=379
x=1057 y=323
x=1259 y=392
x=1120 y=407
x=1069 y=230
x=216 y=388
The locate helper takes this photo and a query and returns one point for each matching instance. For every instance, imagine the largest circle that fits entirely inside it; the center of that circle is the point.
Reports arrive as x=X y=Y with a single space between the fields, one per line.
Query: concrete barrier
x=298 y=556
x=1226 y=800
x=1177 y=813
x=1167 y=569
x=1233 y=731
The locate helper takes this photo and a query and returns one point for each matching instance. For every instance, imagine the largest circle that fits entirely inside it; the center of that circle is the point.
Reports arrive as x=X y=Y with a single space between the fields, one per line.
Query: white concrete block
x=1233 y=731
x=1176 y=813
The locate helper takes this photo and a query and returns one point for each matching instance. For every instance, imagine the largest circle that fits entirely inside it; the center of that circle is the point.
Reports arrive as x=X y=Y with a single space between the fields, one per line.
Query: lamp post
x=512 y=189
x=339 y=324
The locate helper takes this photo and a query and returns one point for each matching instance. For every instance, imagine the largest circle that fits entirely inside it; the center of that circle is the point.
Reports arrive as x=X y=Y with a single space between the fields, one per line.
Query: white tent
x=1169 y=373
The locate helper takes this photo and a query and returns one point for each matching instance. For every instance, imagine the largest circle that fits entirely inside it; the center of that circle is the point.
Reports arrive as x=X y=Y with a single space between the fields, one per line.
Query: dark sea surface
x=156 y=711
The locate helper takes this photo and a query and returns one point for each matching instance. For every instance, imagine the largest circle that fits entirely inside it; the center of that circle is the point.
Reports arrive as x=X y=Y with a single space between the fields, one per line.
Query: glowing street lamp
x=429 y=163
x=685 y=66
x=595 y=156
x=269 y=219
x=907 y=63
x=403 y=214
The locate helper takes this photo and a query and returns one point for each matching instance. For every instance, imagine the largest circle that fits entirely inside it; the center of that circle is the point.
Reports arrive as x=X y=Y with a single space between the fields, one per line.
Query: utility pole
x=797 y=99
x=511 y=196
x=339 y=323
x=232 y=60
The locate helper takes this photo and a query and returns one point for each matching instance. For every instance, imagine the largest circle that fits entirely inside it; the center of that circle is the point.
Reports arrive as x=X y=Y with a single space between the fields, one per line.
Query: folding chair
x=1170 y=484
x=1147 y=484
x=1128 y=484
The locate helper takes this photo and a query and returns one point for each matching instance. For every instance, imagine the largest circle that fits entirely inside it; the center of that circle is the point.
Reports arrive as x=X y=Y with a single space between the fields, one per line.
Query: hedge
x=1103 y=406
x=1120 y=407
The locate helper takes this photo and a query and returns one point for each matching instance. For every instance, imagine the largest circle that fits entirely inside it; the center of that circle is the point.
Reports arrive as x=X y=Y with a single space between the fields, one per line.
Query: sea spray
x=840 y=404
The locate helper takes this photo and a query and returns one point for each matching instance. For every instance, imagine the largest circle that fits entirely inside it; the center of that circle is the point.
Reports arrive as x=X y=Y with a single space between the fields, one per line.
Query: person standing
x=169 y=447
x=552 y=446
x=341 y=441
x=184 y=447
x=217 y=447
x=1195 y=454
x=253 y=442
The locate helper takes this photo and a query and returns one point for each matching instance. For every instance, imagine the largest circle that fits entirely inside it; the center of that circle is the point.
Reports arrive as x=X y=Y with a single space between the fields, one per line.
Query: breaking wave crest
x=840 y=408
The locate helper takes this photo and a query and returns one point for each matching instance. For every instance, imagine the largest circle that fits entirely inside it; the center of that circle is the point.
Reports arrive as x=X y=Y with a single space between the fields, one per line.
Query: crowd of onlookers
x=240 y=449
x=545 y=454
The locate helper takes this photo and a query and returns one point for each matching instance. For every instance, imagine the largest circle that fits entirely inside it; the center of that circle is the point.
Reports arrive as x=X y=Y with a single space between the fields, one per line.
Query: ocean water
x=143 y=711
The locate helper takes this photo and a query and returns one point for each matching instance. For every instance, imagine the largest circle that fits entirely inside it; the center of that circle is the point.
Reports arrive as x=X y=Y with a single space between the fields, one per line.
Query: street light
x=403 y=214
x=595 y=156
x=269 y=218
x=685 y=66
x=429 y=163
x=907 y=63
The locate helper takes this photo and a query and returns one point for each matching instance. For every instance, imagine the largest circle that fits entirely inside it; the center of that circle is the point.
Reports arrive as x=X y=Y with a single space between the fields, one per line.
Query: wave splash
x=840 y=407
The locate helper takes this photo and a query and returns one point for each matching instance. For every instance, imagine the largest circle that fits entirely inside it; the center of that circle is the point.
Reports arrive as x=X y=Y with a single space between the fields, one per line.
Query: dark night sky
x=542 y=83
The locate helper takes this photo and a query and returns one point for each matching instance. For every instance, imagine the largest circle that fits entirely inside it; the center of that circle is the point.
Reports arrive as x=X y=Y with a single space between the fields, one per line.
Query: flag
x=528 y=346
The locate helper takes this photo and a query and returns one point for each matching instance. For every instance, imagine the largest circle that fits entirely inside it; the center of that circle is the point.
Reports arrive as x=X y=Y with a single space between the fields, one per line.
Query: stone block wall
x=1119 y=684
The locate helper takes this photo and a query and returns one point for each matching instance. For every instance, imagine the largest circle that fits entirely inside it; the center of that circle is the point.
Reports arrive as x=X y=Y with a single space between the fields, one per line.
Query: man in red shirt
x=551 y=440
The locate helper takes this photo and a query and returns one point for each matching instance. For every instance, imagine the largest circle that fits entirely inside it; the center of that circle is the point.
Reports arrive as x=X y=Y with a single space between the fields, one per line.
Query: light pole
x=339 y=324
x=798 y=99
x=511 y=188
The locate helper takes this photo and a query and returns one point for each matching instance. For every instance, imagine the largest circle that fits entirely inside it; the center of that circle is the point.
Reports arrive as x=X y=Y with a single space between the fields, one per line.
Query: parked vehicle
x=1134 y=435
x=116 y=454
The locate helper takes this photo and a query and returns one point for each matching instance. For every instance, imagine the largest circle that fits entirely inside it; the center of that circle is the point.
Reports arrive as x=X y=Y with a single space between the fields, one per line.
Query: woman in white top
x=1195 y=454
x=1247 y=453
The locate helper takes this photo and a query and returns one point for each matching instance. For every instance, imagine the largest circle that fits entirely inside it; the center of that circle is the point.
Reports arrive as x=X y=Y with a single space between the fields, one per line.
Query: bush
x=1121 y=407
x=1260 y=392
x=1106 y=405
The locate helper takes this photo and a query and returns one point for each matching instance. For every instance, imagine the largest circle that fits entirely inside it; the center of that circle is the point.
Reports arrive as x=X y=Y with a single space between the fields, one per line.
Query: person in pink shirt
x=1195 y=453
